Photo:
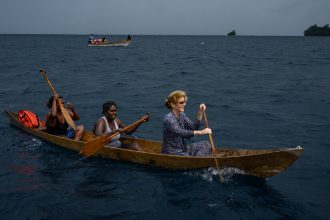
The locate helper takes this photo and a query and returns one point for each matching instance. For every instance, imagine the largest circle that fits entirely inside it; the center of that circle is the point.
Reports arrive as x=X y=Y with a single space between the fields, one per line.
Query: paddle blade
x=91 y=147
x=68 y=118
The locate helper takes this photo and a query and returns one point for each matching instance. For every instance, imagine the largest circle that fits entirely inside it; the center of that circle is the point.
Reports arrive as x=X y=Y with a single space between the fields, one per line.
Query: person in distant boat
x=178 y=128
x=110 y=124
x=103 y=40
x=91 y=39
x=56 y=123
x=129 y=37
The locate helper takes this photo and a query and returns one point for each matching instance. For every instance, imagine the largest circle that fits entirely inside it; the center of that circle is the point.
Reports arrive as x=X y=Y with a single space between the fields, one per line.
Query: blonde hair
x=174 y=96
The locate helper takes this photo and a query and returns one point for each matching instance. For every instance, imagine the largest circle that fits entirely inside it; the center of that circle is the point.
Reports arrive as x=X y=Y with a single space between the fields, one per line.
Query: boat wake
x=27 y=145
x=211 y=174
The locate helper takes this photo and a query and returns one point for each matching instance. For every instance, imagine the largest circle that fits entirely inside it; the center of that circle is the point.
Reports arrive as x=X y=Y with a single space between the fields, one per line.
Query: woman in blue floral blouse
x=178 y=128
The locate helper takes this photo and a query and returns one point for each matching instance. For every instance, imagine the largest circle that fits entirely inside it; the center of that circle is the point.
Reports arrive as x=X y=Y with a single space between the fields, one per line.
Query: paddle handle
x=43 y=73
x=212 y=145
x=124 y=130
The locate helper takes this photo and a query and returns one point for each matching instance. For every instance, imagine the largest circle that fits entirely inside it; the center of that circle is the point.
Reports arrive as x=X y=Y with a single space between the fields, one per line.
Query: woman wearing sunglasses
x=178 y=128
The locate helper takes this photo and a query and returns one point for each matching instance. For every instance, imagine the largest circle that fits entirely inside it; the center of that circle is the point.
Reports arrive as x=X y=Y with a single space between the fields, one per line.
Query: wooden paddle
x=91 y=147
x=65 y=112
x=213 y=148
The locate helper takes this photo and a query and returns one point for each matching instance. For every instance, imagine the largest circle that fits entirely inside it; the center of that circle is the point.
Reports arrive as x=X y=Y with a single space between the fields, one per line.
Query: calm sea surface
x=261 y=92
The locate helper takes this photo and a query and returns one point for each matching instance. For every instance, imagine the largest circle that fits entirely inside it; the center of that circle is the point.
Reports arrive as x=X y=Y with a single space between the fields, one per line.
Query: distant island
x=315 y=30
x=232 y=33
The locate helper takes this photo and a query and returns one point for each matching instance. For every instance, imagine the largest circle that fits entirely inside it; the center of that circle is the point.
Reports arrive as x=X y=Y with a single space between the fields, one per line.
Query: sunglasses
x=181 y=103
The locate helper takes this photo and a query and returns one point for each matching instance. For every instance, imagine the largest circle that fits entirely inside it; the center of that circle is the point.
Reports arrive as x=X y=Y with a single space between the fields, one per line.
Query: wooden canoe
x=261 y=163
x=122 y=43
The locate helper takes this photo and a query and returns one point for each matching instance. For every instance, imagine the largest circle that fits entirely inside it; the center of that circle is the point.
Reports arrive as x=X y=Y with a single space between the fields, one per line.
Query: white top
x=108 y=129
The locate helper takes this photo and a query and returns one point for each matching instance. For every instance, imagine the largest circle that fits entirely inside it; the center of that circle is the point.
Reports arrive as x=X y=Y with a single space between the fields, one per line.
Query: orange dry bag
x=29 y=119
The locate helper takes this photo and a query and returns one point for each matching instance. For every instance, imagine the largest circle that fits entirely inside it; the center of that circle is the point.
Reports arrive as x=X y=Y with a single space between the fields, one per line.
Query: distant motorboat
x=104 y=43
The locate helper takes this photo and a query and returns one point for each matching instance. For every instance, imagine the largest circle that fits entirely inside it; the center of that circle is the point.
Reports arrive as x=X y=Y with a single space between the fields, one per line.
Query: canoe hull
x=260 y=163
x=123 y=43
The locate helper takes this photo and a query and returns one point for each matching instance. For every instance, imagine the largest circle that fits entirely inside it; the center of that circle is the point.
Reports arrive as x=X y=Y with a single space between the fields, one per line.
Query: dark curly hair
x=107 y=106
x=51 y=99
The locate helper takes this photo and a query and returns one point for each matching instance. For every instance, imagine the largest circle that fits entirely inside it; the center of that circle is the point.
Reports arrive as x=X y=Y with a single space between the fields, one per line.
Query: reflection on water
x=239 y=194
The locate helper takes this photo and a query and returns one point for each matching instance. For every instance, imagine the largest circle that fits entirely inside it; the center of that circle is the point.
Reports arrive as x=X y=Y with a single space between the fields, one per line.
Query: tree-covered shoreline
x=315 y=30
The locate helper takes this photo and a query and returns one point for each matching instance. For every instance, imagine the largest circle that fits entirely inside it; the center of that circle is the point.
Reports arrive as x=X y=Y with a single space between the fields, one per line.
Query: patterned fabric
x=115 y=142
x=108 y=129
x=176 y=133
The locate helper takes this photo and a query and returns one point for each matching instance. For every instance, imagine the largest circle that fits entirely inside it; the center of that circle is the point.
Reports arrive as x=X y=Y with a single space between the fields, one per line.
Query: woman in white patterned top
x=110 y=124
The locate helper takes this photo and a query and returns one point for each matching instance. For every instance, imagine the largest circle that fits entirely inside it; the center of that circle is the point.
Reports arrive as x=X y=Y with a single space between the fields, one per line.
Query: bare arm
x=202 y=107
x=133 y=129
x=99 y=127
x=52 y=115
x=202 y=132
x=72 y=111
x=53 y=110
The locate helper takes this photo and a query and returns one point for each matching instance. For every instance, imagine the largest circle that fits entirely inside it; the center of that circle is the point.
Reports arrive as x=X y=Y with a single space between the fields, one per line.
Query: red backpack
x=29 y=119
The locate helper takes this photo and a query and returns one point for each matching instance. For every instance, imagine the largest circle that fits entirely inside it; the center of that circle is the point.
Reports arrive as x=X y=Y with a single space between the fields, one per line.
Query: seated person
x=56 y=123
x=178 y=128
x=110 y=124
x=91 y=39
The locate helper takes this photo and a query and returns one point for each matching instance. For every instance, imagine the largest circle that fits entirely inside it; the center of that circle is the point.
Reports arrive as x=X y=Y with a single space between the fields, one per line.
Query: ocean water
x=260 y=92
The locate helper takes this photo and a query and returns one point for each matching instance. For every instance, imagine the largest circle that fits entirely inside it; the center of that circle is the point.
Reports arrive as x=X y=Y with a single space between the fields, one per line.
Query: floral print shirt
x=176 y=131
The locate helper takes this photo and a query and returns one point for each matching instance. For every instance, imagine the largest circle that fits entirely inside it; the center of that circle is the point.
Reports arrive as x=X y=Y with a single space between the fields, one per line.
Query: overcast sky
x=191 y=17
